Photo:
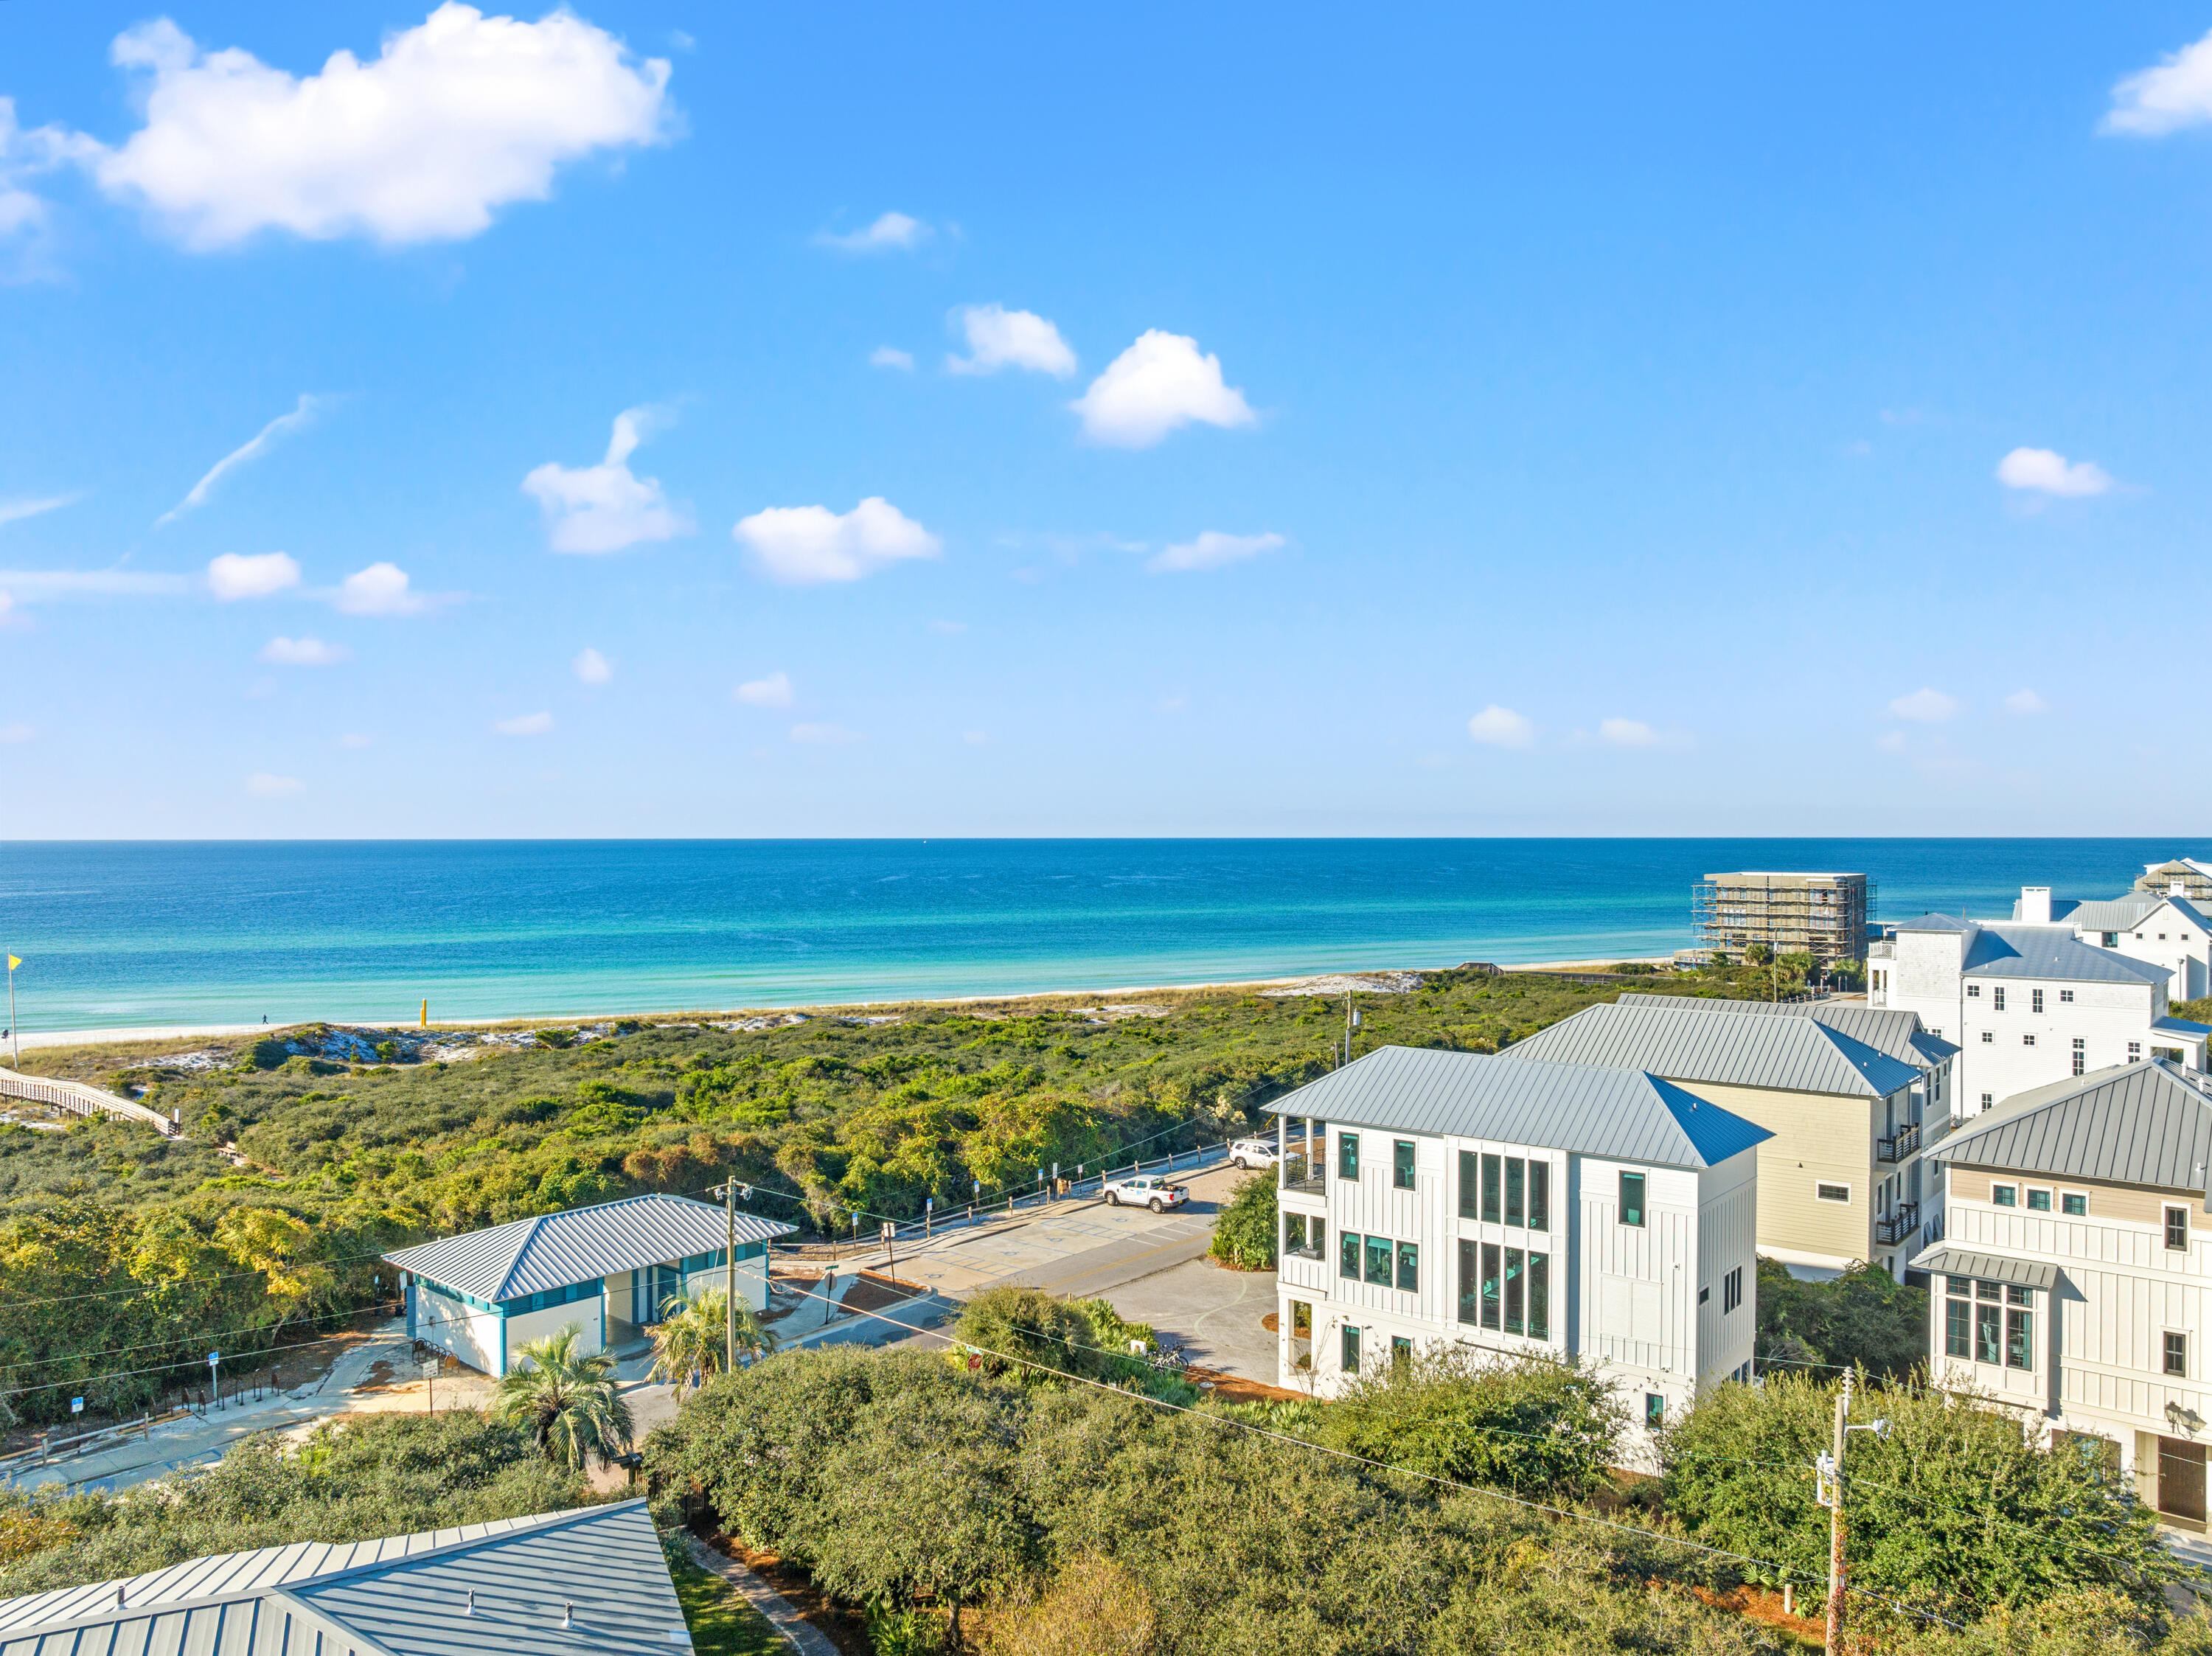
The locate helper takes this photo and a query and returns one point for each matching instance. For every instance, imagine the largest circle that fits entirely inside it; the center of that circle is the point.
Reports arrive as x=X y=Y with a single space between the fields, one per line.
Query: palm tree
x=692 y=1337
x=566 y=1401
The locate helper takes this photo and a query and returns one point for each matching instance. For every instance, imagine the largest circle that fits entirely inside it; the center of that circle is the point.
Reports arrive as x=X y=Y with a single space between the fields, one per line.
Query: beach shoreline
x=164 y=1033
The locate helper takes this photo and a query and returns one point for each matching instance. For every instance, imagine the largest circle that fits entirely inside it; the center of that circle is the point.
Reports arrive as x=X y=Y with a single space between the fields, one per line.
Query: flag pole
x=15 y=1032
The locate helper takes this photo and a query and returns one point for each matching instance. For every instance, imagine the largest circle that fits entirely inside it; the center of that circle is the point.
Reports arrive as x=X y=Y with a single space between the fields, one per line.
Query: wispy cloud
x=14 y=511
x=527 y=724
x=1211 y=550
x=891 y=234
x=1501 y=727
x=32 y=585
x=1925 y=706
x=593 y=668
x=890 y=356
x=2024 y=701
x=266 y=785
x=16 y=735
x=1000 y=338
x=825 y=735
x=2175 y=94
x=303 y=652
x=606 y=508
x=774 y=691
x=245 y=453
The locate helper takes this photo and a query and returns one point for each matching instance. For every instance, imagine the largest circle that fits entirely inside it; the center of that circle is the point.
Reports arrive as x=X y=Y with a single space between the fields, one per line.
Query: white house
x=2167 y=930
x=2027 y=1003
x=1512 y=1206
x=2075 y=1281
x=608 y=1269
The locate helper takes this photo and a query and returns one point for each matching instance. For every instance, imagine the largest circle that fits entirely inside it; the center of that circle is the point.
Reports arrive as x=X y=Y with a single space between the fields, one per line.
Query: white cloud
x=2024 y=701
x=30 y=586
x=1000 y=338
x=827 y=735
x=1501 y=727
x=14 y=511
x=7 y=603
x=1891 y=741
x=1627 y=733
x=14 y=735
x=356 y=740
x=379 y=589
x=890 y=356
x=235 y=575
x=527 y=724
x=1211 y=550
x=976 y=738
x=25 y=221
x=949 y=628
x=2049 y=473
x=303 y=652
x=1925 y=706
x=1171 y=704
x=263 y=785
x=2177 y=94
x=593 y=668
x=892 y=233
x=1159 y=384
x=457 y=116
x=774 y=691
x=253 y=449
x=606 y=508
x=803 y=545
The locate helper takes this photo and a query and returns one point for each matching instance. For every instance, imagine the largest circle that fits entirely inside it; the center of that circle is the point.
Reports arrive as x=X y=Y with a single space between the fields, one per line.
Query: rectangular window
x=1378 y=1261
x=1490 y=1173
x=1517 y=1191
x=1317 y=1237
x=1402 y=1351
x=1294 y=1232
x=2038 y=1201
x=1540 y=1196
x=2112 y=940
x=1347 y=1255
x=2004 y=1195
x=1958 y=1319
x=2134 y=1051
x=1350 y=1359
x=2020 y=1333
x=1655 y=1412
x=1469 y=1176
x=1302 y=1319
x=1409 y=1267
x=2066 y=997
x=1973 y=991
x=1515 y=1289
x=2177 y=1355
x=1997 y=998
x=1631 y=1198
x=2035 y=1000
x=1490 y=1285
x=1832 y=1193
x=2027 y=1040
x=2073 y=1204
x=1470 y=1294
x=1731 y=1290
x=1988 y=1099
x=1540 y=1296
x=1989 y=1037
x=2176 y=1228
x=1401 y=1164
x=1348 y=1155
x=2081 y=1056
x=1988 y=1333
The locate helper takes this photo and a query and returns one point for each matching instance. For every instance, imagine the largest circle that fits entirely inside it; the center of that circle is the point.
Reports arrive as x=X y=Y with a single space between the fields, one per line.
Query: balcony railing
x=1301 y=1177
x=1898 y=1225
x=1904 y=1142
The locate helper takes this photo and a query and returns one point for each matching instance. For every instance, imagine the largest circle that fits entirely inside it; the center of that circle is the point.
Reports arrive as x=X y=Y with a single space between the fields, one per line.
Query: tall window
x=1470 y=1178
x=1959 y=1317
x=1294 y=1232
x=1540 y=1296
x=1350 y=1359
x=1540 y=1196
x=1731 y=1290
x=1655 y=1412
x=2081 y=1055
x=2020 y=1327
x=1631 y=1198
x=1470 y=1283
x=2177 y=1229
x=1516 y=1291
x=1997 y=998
x=1378 y=1261
x=1402 y=1351
x=1401 y=1164
x=1347 y=1255
x=1348 y=1155
x=1490 y=1284
x=2035 y=1000
x=1988 y=1336
x=2134 y=1051
x=1409 y=1267
x=2177 y=1355
x=1491 y=1165
x=1517 y=1191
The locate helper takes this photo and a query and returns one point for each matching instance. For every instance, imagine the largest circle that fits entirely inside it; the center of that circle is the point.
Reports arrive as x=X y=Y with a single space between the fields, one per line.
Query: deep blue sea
x=122 y=934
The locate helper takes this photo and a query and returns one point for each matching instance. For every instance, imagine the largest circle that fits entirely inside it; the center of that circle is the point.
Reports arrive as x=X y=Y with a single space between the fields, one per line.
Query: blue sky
x=1260 y=420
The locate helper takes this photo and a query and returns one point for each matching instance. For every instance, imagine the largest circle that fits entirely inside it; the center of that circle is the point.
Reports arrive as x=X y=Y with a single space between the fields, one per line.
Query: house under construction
x=1823 y=915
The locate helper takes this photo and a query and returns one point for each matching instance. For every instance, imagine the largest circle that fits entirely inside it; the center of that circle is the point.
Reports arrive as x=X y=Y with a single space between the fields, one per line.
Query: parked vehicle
x=1149 y=1190
x=1254 y=1153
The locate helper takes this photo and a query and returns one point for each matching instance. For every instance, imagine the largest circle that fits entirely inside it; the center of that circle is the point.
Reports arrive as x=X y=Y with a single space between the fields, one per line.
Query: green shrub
x=1244 y=1234
x=1864 y=1319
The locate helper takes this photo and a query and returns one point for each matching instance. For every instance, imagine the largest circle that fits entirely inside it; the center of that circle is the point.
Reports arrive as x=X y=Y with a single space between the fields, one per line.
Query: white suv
x=1254 y=1153
x=1149 y=1190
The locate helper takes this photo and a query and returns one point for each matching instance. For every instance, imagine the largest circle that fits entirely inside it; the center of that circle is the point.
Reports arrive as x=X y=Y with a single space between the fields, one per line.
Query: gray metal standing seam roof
x=1990 y=1267
x=601 y=1567
x=2096 y=913
x=1621 y=1114
x=1893 y=1033
x=2051 y=951
x=2134 y=1123
x=1698 y=1044
x=555 y=1249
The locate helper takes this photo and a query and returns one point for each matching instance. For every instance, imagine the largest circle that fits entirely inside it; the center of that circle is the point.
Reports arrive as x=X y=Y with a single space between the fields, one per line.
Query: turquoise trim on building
x=504 y=1308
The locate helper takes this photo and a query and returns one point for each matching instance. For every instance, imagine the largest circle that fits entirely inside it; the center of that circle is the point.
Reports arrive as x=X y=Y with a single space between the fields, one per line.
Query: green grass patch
x=722 y=1623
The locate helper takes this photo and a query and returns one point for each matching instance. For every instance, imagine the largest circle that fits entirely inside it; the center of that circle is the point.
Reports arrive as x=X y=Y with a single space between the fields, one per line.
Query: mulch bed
x=1235 y=1388
x=843 y=1628
x=874 y=1291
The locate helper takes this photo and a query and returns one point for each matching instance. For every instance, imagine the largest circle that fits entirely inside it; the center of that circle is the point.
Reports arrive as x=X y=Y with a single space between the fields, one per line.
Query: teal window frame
x=1655 y=1412
x=1470 y=1283
x=1540 y=1296
x=1347 y=1254
x=1348 y=1155
x=1347 y=1352
x=1409 y=1267
x=1540 y=1195
x=1379 y=1259
x=1633 y=1194
x=1404 y=1163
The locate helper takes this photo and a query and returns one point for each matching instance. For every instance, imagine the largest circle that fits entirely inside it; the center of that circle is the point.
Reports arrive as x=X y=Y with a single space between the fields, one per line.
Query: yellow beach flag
x=12 y=962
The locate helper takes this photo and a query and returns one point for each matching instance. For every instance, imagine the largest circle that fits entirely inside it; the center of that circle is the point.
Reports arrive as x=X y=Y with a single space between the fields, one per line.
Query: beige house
x=2075 y=1277
x=1837 y=1181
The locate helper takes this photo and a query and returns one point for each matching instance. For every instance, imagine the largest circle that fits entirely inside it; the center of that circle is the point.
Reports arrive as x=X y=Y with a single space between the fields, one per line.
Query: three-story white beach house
x=1518 y=1207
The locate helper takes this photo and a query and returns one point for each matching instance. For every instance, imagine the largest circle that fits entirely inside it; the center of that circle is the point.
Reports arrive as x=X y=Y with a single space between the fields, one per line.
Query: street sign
x=76 y=1405
x=890 y=1230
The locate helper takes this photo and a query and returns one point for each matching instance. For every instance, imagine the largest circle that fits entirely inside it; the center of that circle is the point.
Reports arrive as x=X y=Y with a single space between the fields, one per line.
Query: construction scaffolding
x=1823 y=915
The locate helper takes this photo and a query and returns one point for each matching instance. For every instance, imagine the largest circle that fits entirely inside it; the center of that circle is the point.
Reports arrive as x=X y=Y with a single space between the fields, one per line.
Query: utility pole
x=1835 y=1642
x=729 y=1280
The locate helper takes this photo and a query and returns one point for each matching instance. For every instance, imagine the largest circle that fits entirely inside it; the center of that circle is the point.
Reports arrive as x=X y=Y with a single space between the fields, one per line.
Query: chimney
x=2176 y=889
x=2035 y=904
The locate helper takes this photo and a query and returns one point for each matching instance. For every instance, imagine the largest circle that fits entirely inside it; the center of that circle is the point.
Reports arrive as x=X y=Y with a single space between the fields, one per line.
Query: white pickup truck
x=1148 y=1190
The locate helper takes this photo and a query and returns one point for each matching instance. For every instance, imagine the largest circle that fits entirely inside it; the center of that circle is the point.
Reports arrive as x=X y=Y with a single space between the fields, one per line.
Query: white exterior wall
x=2168 y=938
x=589 y=1315
x=458 y=1329
x=752 y=1281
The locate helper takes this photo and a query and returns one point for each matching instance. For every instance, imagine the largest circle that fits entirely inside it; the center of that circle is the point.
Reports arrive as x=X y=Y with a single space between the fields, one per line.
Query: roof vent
x=568 y=1616
x=471 y=1609
x=118 y=1595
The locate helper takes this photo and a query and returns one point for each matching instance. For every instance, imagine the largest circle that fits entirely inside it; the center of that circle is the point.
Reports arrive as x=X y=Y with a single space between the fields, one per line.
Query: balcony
x=1900 y=1146
x=1899 y=1224
x=1302 y=1178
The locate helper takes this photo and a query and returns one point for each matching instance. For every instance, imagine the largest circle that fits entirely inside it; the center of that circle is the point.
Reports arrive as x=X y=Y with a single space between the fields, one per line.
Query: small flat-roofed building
x=1839 y=1177
x=609 y=1269
x=1462 y=1200
x=2075 y=1279
x=591 y=1582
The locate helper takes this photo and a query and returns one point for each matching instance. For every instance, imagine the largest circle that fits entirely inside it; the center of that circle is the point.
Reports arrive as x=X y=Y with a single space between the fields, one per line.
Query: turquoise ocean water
x=120 y=934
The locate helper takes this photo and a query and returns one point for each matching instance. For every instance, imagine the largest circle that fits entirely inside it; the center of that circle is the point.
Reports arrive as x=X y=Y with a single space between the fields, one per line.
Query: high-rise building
x=1823 y=915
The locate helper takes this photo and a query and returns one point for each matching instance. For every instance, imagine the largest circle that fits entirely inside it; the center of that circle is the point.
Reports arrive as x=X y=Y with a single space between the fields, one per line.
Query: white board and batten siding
x=457 y=1328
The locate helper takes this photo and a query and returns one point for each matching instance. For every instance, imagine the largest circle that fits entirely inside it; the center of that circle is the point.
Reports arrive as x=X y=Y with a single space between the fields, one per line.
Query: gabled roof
x=1892 y=1032
x=406 y=1595
x=1621 y=1114
x=1695 y=1044
x=2101 y=913
x=2133 y=1124
x=556 y=1249
x=1934 y=922
x=2051 y=952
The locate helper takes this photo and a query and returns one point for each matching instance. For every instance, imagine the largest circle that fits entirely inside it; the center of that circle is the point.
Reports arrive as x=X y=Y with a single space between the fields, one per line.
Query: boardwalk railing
x=78 y=1099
